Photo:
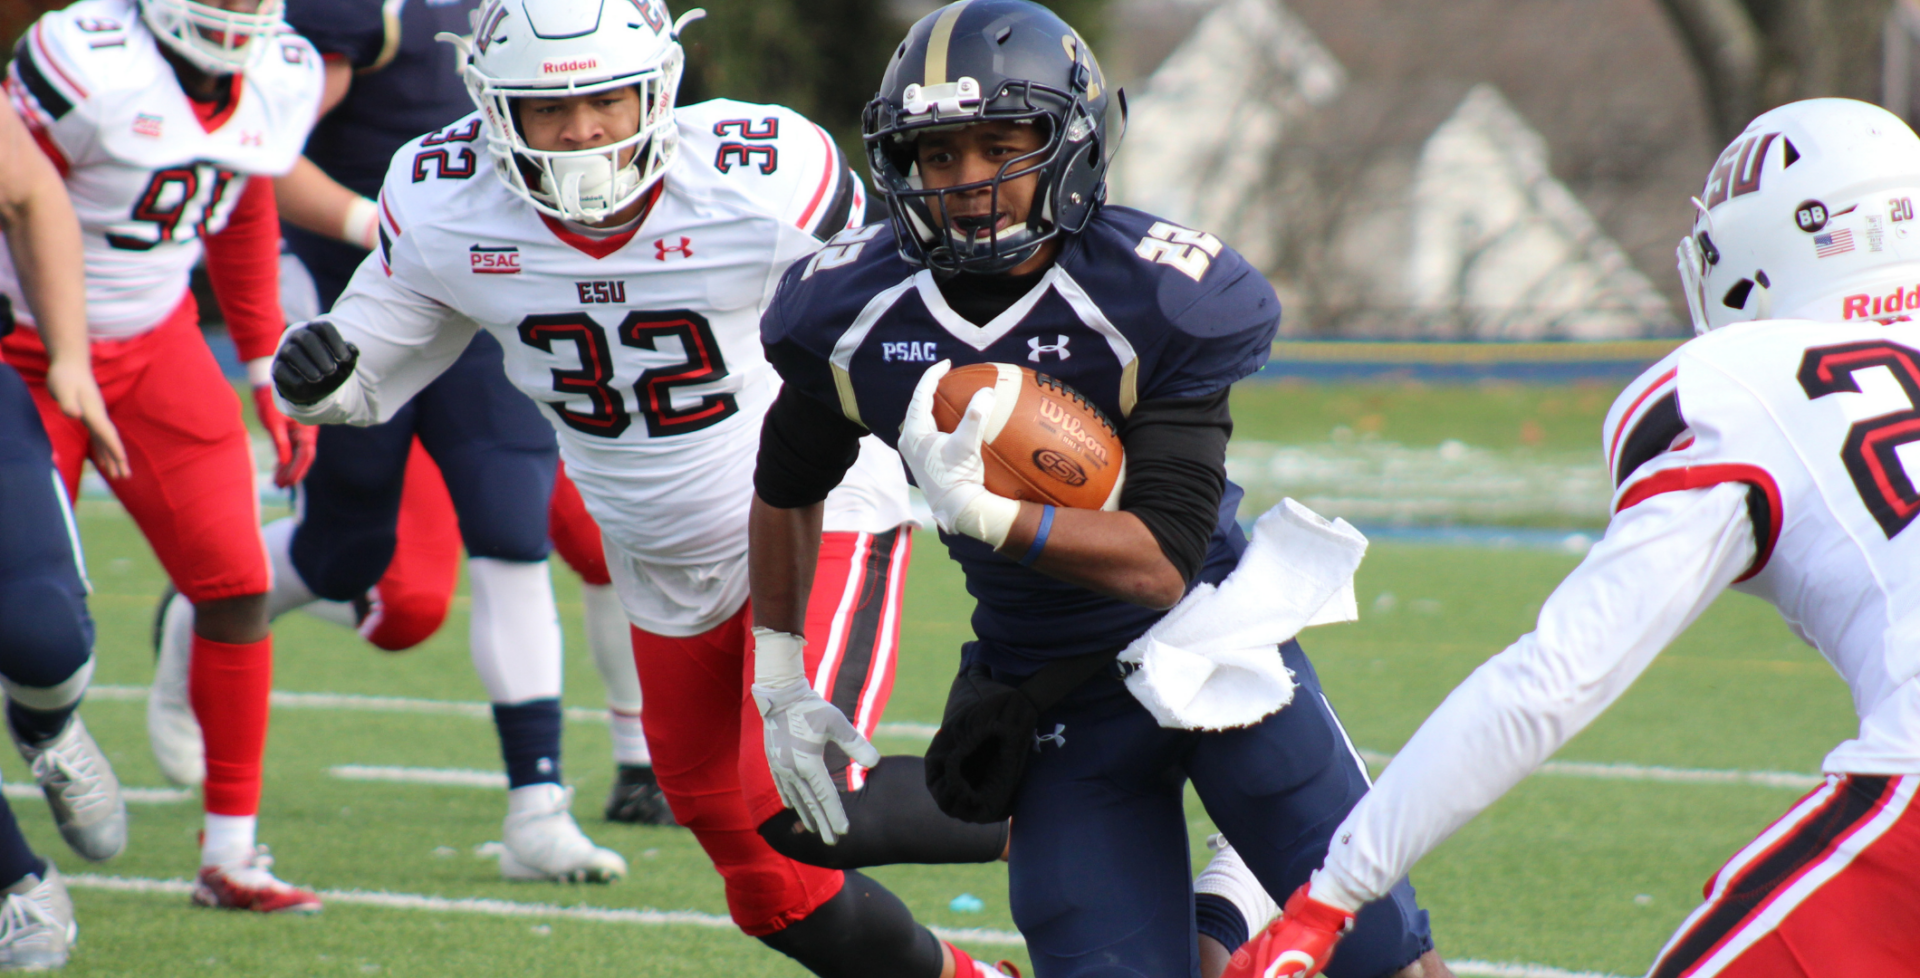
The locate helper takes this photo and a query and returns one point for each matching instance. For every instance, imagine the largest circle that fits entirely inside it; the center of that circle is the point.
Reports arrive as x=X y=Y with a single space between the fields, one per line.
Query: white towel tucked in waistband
x=1210 y=663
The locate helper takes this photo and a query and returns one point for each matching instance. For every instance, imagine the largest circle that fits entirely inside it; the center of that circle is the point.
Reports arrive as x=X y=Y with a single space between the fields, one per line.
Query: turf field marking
x=1641 y=772
x=408 y=704
x=925 y=731
x=135 y=796
x=459 y=777
x=501 y=908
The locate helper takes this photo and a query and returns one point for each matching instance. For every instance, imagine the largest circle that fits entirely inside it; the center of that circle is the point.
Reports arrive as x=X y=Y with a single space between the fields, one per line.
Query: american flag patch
x=1833 y=243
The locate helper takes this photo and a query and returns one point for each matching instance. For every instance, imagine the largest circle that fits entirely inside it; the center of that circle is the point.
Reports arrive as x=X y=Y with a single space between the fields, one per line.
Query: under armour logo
x=1057 y=737
x=661 y=248
x=250 y=139
x=1036 y=348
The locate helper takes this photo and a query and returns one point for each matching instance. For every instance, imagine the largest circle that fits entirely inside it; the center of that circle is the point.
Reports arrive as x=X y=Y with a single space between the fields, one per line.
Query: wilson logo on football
x=1054 y=415
x=493 y=261
x=571 y=64
x=1059 y=466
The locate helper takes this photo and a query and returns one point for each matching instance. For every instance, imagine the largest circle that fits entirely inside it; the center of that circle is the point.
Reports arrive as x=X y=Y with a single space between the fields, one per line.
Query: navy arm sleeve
x=1177 y=472
x=806 y=448
x=352 y=29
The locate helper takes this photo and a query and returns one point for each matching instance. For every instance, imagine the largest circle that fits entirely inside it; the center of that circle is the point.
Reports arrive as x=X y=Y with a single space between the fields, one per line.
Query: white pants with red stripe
x=1831 y=890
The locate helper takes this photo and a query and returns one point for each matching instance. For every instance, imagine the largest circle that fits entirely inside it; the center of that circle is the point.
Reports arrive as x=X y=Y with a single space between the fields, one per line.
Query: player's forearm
x=311 y=200
x=1112 y=553
x=1660 y=565
x=783 y=547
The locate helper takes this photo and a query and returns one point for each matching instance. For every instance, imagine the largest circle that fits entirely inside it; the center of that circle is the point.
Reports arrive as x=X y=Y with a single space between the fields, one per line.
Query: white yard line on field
x=500 y=908
x=458 y=777
x=134 y=796
x=408 y=704
x=925 y=731
x=664 y=918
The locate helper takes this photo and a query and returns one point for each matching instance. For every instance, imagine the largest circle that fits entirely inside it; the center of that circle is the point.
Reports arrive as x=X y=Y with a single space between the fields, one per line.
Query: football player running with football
x=990 y=142
x=1762 y=456
x=621 y=252
x=46 y=635
x=167 y=119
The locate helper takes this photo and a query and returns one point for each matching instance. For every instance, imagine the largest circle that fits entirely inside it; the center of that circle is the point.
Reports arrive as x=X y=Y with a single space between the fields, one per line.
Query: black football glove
x=313 y=362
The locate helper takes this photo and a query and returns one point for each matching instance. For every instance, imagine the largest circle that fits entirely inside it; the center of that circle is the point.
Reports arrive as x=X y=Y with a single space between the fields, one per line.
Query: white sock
x=610 y=638
x=515 y=629
x=1227 y=876
x=289 y=591
x=228 y=839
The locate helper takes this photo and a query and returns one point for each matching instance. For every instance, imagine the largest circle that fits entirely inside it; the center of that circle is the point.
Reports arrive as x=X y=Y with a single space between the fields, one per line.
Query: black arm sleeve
x=806 y=448
x=1177 y=471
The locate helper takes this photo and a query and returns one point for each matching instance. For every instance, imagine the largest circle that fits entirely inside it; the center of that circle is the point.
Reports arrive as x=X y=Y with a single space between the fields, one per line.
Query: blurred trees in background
x=1752 y=55
x=823 y=58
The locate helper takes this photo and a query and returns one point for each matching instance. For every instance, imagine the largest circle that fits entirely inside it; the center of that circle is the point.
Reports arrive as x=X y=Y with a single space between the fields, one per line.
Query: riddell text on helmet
x=1864 y=306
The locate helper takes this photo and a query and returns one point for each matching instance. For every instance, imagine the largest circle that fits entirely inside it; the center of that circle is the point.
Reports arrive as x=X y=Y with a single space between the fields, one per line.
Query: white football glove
x=799 y=722
x=948 y=467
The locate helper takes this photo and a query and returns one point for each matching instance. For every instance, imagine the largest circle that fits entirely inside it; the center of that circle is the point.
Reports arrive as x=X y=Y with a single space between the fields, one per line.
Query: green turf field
x=1570 y=872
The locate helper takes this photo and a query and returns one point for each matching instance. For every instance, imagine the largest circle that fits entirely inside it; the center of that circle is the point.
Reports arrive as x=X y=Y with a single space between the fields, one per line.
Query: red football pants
x=705 y=732
x=1832 y=890
x=191 y=489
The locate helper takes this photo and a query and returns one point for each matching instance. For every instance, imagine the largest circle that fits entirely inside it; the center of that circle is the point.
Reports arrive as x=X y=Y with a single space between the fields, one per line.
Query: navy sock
x=16 y=860
x=36 y=727
x=529 y=741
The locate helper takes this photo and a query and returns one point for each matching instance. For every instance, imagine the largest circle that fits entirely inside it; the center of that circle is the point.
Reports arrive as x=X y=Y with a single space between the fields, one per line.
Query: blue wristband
x=1039 y=537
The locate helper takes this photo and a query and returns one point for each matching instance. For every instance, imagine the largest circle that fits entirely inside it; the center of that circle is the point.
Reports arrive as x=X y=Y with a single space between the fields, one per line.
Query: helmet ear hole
x=1736 y=297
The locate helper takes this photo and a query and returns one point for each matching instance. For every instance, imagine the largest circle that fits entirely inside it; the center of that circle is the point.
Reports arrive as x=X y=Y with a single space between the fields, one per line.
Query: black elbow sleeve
x=806 y=448
x=1177 y=473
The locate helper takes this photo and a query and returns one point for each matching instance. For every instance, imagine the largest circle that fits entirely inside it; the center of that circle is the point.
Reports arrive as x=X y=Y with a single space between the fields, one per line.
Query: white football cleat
x=81 y=789
x=172 y=729
x=541 y=841
x=36 y=924
x=249 y=884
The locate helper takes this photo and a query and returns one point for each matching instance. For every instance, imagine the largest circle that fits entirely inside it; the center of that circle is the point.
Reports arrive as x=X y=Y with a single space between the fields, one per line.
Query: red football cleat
x=1297 y=945
x=249 y=885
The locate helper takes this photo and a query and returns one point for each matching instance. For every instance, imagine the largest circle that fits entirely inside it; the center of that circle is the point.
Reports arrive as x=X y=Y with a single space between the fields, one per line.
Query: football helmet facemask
x=986 y=60
x=559 y=48
x=216 y=41
x=1808 y=214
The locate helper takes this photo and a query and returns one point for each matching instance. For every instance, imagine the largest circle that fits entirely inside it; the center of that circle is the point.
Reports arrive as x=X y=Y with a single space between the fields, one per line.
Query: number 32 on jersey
x=608 y=415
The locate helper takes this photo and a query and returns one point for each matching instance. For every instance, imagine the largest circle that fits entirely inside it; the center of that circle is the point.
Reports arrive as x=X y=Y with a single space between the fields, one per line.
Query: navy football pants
x=495 y=451
x=1100 y=877
x=45 y=631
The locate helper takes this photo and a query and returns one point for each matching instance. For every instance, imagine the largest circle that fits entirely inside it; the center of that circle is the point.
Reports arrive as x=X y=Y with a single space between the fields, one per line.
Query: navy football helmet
x=988 y=60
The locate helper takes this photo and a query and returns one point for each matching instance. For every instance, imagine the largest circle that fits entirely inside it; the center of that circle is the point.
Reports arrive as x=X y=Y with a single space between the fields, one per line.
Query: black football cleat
x=637 y=799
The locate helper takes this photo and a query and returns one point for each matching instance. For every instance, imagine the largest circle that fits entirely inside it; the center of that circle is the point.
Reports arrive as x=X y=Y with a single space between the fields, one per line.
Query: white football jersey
x=147 y=177
x=641 y=346
x=1822 y=422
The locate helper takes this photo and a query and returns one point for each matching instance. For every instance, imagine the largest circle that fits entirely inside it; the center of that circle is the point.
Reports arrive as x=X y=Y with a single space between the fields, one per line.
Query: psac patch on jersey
x=1190 y=251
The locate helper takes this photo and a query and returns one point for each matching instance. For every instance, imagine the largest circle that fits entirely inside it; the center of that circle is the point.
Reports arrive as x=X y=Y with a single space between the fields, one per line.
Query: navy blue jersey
x=404 y=81
x=1135 y=309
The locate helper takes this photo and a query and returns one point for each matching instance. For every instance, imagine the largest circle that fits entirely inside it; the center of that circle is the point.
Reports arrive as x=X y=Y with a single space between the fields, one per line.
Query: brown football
x=1043 y=443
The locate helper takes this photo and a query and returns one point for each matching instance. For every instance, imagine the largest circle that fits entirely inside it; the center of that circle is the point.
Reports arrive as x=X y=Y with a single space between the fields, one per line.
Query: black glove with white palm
x=799 y=723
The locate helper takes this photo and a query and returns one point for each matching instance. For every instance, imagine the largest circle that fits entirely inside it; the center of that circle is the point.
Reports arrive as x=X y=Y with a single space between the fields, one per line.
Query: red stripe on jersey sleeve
x=1703 y=476
x=1626 y=420
x=243 y=262
x=46 y=57
x=44 y=140
x=826 y=180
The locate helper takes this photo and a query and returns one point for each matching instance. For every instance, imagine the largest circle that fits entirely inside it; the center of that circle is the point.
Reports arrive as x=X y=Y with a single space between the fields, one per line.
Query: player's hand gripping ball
x=1043 y=443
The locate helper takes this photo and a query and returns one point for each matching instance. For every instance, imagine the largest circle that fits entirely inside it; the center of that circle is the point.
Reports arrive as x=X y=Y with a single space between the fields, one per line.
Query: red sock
x=963 y=966
x=228 y=686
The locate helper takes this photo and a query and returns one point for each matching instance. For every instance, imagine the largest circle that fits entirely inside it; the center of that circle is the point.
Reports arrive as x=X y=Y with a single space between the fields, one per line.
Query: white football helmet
x=558 y=48
x=216 y=41
x=1809 y=214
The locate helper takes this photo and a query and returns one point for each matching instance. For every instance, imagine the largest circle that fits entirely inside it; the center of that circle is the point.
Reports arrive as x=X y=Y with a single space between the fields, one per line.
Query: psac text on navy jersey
x=917 y=352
